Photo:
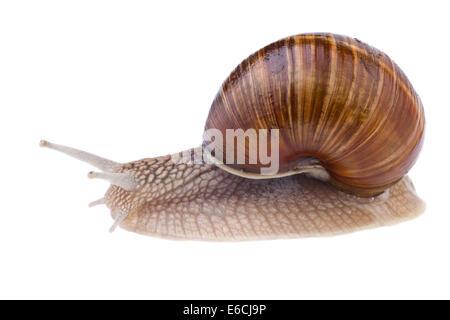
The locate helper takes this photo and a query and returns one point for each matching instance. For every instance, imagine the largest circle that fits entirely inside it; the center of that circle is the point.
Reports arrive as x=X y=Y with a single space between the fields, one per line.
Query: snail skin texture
x=350 y=128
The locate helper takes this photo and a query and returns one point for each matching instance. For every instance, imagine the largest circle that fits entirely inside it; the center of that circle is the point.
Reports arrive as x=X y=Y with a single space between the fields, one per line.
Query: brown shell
x=335 y=99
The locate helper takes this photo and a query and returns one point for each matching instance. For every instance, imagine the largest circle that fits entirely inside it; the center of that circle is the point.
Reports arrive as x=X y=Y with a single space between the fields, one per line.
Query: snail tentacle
x=110 y=168
x=124 y=180
x=97 y=202
x=117 y=221
x=98 y=162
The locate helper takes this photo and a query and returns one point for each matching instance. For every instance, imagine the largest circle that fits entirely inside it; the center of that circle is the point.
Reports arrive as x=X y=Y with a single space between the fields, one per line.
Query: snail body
x=346 y=116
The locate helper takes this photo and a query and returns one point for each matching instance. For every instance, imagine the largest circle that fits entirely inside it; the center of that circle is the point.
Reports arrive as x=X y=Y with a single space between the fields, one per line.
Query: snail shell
x=338 y=103
x=334 y=99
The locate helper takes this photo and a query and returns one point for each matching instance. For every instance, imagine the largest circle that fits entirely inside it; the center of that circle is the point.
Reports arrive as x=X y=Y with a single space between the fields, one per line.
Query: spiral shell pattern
x=334 y=99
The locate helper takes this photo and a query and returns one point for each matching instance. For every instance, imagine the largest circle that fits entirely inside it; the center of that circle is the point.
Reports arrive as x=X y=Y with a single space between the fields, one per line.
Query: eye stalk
x=110 y=172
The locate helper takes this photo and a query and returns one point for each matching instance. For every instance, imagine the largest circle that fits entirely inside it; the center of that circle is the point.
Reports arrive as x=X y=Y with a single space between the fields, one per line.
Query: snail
x=348 y=127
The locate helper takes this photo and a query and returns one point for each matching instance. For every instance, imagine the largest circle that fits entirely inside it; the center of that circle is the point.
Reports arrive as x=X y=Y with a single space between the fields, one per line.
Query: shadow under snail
x=350 y=128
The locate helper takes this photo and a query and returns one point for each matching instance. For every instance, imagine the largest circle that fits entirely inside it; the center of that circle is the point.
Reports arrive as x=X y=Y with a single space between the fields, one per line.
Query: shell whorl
x=334 y=99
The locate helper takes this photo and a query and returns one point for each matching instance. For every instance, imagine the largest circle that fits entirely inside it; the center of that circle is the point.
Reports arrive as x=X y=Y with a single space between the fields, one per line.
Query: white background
x=133 y=79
